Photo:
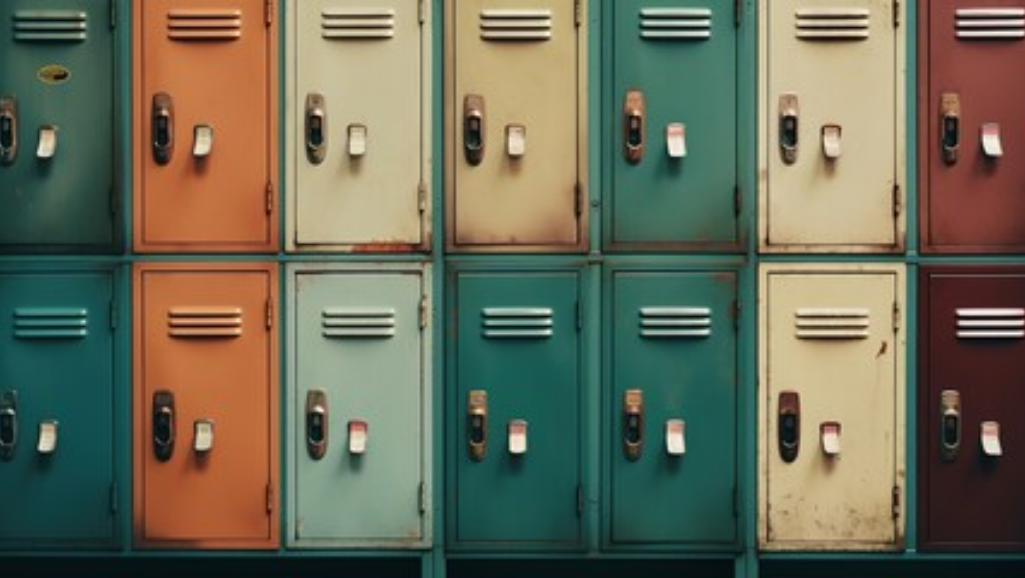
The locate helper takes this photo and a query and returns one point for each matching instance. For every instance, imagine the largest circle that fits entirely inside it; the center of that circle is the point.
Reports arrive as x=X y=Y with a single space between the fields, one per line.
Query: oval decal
x=53 y=74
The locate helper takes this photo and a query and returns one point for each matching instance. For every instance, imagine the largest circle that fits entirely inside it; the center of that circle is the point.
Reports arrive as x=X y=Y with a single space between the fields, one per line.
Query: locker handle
x=8 y=424
x=473 y=128
x=950 y=108
x=163 y=128
x=316 y=128
x=950 y=424
x=8 y=130
x=633 y=126
x=788 y=127
x=633 y=423
x=316 y=423
x=477 y=418
x=789 y=425
x=163 y=424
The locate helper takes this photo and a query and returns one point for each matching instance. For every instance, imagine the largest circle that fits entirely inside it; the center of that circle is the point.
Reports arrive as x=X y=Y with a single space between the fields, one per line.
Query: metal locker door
x=516 y=139
x=357 y=408
x=831 y=453
x=971 y=119
x=57 y=464
x=205 y=126
x=970 y=430
x=516 y=448
x=57 y=111
x=673 y=110
x=832 y=145
x=358 y=137
x=674 y=372
x=205 y=413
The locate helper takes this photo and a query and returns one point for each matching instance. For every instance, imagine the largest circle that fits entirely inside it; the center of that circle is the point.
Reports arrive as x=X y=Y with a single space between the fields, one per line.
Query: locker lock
x=830 y=435
x=633 y=126
x=950 y=424
x=991 y=145
x=47 y=443
x=990 y=439
x=633 y=423
x=473 y=128
x=316 y=128
x=788 y=126
x=163 y=424
x=8 y=424
x=202 y=141
x=163 y=128
x=316 y=423
x=203 y=436
x=831 y=136
x=789 y=425
x=8 y=130
x=950 y=109
x=477 y=423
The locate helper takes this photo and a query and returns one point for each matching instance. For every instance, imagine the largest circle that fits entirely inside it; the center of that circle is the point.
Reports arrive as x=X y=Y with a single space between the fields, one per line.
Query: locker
x=205 y=406
x=358 y=105
x=516 y=137
x=671 y=421
x=674 y=109
x=970 y=117
x=516 y=444
x=832 y=150
x=831 y=388
x=58 y=111
x=58 y=466
x=205 y=125
x=972 y=325
x=358 y=370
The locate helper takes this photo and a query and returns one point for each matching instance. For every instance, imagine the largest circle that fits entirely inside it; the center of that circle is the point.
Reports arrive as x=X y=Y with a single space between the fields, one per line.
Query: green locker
x=671 y=408
x=358 y=369
x=57 y=111
x=674 y=108
x=57 y=461
x=515 y=392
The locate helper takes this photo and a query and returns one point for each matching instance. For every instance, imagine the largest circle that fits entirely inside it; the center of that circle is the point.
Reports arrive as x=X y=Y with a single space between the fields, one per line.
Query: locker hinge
x=896 y=502
x=113 y=498
x=580 y=500
x=270 y=314
x=896 y=13
x=113 y=315
x=422 y=498
x=896 y=317
x=113 y=14
x=577 y=14
x=578 y=198
x=736 y=315
x=737 y=201
x=897 y=206
x=270 y=499
x=580 y=315
x=268 y=12
x=424 y=311
x=421 y=195
x=422 y=9
x=270 y=198
x=738 y=12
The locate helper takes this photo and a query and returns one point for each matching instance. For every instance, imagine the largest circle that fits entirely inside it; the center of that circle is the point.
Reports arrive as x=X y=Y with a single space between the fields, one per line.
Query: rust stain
x=384 y=248
x=882 y=350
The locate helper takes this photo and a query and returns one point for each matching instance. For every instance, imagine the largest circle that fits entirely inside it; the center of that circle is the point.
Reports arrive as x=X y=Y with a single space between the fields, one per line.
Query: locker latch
x=47 y=443
x=831 y=136
x=47 y=147
x=473 y=128
x=163 y=424
x=8 y=424
x=676 y=140
x=788 y=425
x=316 y=423
x=950 y=111
x=515 y=140
x=633 y=126
x=203 y=436
x=676 y=443
x=358 y=431
x=830 y=436
x=991 y=145
x=316 y=128
x=357 y=134
x=477 y=418
x=163 y=128
x=633 y=423
x=788 y=111
x=990 y=438
x=950 y=424
x=517 y=437
x=202 y=141
x=8 y=130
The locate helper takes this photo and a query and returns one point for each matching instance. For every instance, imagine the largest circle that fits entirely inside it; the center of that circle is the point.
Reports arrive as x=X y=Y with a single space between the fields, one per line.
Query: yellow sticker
x=53 y=74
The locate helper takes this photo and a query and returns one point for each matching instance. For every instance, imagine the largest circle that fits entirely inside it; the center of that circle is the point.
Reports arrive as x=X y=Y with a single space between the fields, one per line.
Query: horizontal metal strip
x=676 y=13
x=357 y=24
x=204 y=35
x=976 y=323
x=354 y=323
x=990 y=12
x=49 y=15
x=516 y=312
x=346 y=312
x=203 y=332
x=675 y=312
x=201 y=13
x=515 y=35
x=52 y=333
x=832 y=323
x=676 y=333
x=828 y=312
x=676 y=322
x=358 y=332
x=832 y=35
x=514 y=13
x=677 y=24
x=41 y=312
x=518 y=333
x=832 y=334
x=999 y=24
x=1004 y=312
x=357 y=34
x=329 y=13
x=991 y=334
x=51 y=322
x=832 y=13
x=990 y=34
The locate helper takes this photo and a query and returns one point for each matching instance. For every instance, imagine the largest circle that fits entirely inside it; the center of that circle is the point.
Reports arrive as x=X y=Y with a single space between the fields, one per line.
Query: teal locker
x=57 y=110
x=57 y=461
x=515 y=424
x=358 y=371
x=671 y=412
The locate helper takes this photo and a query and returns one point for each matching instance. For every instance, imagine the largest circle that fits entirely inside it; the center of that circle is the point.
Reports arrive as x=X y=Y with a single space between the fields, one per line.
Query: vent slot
x=204 y=25
x=357 y=23
x=990 y=23
x=51 y=323
x=204 y=322
x=990 y=323
x=358 y=322
x=831 y=323
x=516 y=25
x=50 y=26
x=676 y=23
x=676 y=322
x=832 y=23
x=517 y=323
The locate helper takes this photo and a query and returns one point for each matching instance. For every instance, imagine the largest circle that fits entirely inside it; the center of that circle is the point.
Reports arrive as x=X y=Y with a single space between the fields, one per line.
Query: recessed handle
x=477 y=424
x=163 y=425
x=8 y=130
x=8 y=424
x=788 y=127
x=163 y=128
x=633 y=126
x=950 y=130
x=316 y=423
x=789 y=425
x=950 y=424
x=473 y=128
x=633 y=423
x=316 y=128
